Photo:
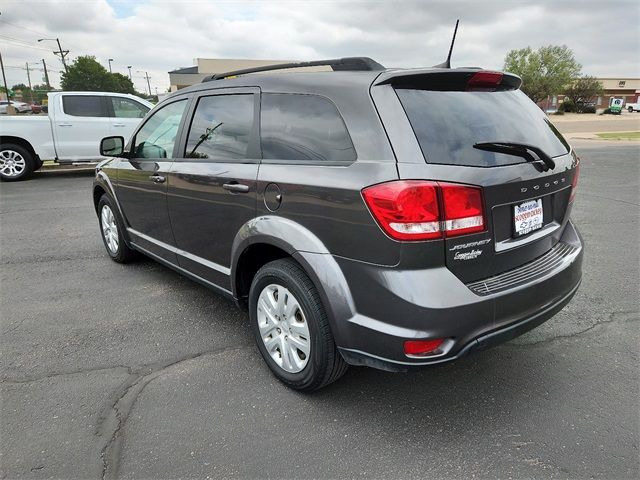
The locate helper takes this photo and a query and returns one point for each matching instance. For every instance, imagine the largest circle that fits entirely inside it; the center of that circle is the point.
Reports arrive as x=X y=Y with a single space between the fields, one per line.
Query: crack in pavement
x=630 y=317
x=114 y=417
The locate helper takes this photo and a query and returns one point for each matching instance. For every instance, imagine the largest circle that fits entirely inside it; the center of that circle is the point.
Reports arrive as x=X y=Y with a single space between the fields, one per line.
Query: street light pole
x=110 y=60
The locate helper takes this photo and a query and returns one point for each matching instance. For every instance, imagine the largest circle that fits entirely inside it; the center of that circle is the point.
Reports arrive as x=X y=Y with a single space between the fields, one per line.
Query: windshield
x=448 y=124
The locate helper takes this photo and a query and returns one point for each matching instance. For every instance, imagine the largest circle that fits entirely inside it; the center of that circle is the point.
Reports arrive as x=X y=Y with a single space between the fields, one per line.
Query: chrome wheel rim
x=283 y=328
x=12 y=164
x=109 y=229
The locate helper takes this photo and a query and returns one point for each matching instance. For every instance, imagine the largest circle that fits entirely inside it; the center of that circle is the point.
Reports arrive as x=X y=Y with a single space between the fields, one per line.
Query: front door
x=143 y=179
x=212 y=188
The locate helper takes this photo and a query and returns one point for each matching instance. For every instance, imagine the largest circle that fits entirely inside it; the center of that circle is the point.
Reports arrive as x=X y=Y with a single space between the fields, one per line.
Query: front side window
x=83 y=105
x=127 y=108
x=157 y=137
x=221 y=127
x=303 y=127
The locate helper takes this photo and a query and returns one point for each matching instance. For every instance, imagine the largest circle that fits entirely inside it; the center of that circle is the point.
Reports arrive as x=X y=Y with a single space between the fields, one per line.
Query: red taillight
x=574 y=182
x=423 y=210
x=484 y=81
x=422 y=347
x=462 y=209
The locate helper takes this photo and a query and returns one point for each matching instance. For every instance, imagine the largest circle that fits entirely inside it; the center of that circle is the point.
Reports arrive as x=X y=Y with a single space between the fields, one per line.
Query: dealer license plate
x=527 y=217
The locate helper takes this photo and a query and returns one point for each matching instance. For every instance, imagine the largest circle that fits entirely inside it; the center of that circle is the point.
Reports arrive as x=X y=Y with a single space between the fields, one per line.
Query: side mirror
x=112 y=146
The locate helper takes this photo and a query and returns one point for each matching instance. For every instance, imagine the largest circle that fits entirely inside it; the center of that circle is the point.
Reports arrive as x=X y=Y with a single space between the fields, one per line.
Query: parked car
x=20 y=107
x=71 y=132
x=633 y=107
x=388 y=218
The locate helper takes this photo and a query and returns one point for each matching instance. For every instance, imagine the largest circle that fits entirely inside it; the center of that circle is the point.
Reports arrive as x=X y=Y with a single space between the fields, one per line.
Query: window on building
x=303 y=127
x=221 y=127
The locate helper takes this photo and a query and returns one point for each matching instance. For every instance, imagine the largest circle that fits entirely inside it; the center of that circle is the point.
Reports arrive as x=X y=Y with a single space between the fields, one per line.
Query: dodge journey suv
x=393 y=218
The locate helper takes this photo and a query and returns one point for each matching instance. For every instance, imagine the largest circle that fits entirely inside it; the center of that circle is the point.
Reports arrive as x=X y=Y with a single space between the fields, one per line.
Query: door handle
x=119 y=125
x=157 y=178
x=236 y=187
x=65 y=125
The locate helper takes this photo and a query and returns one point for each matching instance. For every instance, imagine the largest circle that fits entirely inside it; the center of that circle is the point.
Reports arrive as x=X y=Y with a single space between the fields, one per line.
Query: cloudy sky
x=157 y=35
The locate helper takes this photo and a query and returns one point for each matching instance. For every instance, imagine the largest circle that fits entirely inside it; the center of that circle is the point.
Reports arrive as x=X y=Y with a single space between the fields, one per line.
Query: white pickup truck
x=633 y=107
x=72 y=131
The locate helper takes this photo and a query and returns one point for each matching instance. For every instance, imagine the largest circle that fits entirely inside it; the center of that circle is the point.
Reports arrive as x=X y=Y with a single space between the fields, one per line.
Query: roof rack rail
x=349 y=63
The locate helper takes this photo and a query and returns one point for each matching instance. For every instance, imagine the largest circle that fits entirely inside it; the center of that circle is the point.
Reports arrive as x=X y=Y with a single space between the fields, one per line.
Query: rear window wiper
x=518 y=149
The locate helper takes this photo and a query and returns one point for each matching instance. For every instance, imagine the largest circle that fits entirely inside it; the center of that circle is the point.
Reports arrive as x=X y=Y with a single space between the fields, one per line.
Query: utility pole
x=62 y=53
x=110 y=60
x=146 y=75
x=4 y=79
x=29 y=80
x=46 y=74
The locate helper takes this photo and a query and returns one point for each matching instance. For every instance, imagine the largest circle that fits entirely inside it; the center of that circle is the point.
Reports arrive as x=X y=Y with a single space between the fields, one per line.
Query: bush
x=568 y=106
x=588 y=109
x=558 y=112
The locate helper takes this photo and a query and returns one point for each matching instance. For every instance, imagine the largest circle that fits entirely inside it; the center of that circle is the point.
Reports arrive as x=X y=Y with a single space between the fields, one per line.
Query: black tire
x=20 y=157
x=122 y=253
x=325 y=364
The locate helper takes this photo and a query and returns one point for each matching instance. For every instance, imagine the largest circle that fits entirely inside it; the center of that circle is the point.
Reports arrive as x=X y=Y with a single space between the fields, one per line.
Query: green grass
x=619 y=135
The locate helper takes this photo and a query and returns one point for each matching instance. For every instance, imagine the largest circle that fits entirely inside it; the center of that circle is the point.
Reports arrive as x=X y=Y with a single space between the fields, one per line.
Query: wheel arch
x=269 y=238
x=9 y=139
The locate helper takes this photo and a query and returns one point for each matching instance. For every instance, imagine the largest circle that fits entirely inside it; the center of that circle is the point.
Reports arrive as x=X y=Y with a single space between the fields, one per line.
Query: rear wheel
x=112 y=230
x=291 y=327
x=16 y=163
x=630 y=109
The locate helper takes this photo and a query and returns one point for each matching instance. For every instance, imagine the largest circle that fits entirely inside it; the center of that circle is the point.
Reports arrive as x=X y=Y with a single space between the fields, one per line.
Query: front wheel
x=16 y=163
x=291 y=327
x=630 y=109
x=112 y=230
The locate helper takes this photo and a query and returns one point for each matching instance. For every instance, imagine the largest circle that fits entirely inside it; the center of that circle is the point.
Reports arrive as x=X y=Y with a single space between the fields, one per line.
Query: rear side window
x=448 y=123
x=221 y=127
x=303 y=127
x=84 y=106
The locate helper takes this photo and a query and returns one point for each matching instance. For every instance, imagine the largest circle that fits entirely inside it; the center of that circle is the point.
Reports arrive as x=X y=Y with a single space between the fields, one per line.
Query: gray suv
x=393 y=218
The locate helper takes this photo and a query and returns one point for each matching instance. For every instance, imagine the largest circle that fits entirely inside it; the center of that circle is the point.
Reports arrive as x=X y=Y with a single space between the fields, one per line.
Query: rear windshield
x=448 y=124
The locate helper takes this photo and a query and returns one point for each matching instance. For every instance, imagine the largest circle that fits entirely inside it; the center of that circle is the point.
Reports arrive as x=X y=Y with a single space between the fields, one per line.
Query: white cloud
x=158 y=36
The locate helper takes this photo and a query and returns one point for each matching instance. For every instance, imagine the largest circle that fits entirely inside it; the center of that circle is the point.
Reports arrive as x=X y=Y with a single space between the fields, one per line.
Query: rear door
x=80 y=122
x=526 y=203
x=212 y=186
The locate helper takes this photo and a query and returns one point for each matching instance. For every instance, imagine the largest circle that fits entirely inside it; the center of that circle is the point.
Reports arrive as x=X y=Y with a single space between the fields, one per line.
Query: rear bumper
x=391 y=306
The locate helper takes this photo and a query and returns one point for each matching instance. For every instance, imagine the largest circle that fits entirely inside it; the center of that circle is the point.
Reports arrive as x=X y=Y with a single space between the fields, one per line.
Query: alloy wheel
x=283 y=328
x=109 y=229
x=12 y=164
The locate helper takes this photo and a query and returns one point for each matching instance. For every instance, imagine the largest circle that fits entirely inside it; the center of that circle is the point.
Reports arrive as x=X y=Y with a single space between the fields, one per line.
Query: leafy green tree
x=583 y=91
x=545 y=71
x=86 y=74
x=122 y=84
x=40 y=92
x=27 y=94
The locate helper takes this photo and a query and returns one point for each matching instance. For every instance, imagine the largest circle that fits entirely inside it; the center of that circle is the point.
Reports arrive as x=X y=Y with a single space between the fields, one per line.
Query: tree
x=583 y=91
x=545 y=71
x=86 y=74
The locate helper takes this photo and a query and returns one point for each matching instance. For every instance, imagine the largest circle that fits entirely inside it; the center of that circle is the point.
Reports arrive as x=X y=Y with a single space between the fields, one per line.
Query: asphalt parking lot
x=135 y=372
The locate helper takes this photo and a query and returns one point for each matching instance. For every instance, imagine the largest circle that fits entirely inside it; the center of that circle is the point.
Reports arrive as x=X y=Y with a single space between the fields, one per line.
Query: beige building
x=185 y=77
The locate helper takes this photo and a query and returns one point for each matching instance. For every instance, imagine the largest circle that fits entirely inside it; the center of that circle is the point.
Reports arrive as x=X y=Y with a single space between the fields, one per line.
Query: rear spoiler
x=446 y=79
